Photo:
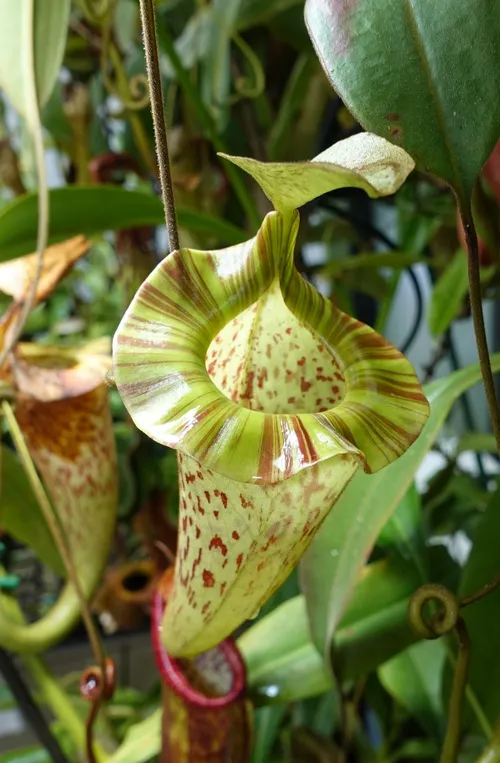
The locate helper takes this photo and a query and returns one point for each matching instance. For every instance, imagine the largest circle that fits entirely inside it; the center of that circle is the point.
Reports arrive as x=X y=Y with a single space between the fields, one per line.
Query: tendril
x=248 y=86
x=439 y=622
x=96 y=11
x=431 y=622
x=97 y=685
x=134 y=92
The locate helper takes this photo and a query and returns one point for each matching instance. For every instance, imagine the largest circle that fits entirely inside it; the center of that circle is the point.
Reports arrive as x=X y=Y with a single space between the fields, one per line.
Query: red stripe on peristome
x=306 y=445
x=267 y=451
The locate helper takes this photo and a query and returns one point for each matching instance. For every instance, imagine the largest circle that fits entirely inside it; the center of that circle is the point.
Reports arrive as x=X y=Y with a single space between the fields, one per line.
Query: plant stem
x=51 y=692
x=483 y=591
x=148 y=22
x=55 y=528
x=451 y=744
x=478 y=320
x=55 y=697
x=35 y=127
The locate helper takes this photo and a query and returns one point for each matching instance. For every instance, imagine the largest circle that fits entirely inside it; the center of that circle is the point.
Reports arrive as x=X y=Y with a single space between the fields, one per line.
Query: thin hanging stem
x=481 y=592
x=476 y=306
x=54 y=527
x=148 y=22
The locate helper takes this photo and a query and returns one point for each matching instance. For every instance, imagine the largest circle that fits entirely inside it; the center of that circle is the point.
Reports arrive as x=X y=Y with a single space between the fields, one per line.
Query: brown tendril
x=97 y=685
x=480 y=592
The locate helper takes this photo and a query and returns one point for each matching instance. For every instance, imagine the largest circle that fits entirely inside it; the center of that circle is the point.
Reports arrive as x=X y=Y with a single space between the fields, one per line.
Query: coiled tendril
x=432 y=623
x=438 y=623
x=97 y=685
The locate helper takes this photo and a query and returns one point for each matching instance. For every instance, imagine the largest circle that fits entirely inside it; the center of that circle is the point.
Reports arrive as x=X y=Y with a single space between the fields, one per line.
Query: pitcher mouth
x=186 y=308
x=285 y=370
x=223 y=663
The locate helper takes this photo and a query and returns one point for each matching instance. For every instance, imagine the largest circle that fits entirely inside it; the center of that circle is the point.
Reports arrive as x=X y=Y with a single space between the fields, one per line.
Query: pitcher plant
x=60 y=404
x=272 y=396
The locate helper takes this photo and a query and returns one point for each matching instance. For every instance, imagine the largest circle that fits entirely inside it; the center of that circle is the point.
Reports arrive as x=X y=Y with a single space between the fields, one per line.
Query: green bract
x=272 y=397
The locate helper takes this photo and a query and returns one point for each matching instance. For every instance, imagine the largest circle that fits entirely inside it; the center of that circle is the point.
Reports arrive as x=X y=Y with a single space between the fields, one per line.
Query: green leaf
x=32 y=42
x=482 y=620
x=481 y=442
x=20 y=514
x=448 y=294
x=332 y=563
x=292 y=101
x=193 y=44
x=403 y=531
x=414 y=678
x=416 y=749
x=425 y=75
x=361 y=161
x=256 y=12
x=142 y=741
x=93 y=209
x=217 y=72
x=26 y=755
x=267 y=721
x=283 y=663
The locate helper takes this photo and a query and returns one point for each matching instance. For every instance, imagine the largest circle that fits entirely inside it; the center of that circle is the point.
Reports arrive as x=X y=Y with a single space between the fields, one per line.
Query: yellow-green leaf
x=361 y=161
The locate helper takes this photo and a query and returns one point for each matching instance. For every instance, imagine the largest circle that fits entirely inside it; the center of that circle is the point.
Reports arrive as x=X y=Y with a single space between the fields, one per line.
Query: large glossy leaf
x=482 y=618
x=332 y=563
x=32 y=41
x=93 y=209
x=425 y=75
x=361 y=161
x=283 y=663
x=414 y=678
x=20 y=514
x=269 y=429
